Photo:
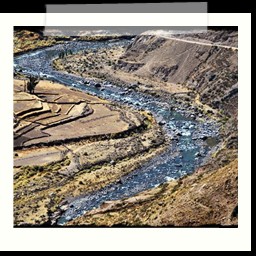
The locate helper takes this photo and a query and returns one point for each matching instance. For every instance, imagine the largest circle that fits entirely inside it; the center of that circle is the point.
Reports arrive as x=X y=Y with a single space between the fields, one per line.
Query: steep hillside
x=220 y=37
x=206 y=68
x=205 y=198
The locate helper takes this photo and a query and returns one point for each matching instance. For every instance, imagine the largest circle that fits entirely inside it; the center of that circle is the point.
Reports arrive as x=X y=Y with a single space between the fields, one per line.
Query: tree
x=31 y=84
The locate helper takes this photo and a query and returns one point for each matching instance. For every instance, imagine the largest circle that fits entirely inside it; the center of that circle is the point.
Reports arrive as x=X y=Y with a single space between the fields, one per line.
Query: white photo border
x=124 y=239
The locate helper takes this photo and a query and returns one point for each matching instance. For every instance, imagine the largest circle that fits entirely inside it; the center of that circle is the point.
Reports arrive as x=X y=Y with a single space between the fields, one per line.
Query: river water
x=183 y=155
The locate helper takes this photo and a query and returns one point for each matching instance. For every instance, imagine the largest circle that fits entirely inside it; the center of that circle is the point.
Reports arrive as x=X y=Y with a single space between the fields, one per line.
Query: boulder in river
x=178 y=133
x=97 y=85
x=204 y=137
x=64 y=207
x=162 y=122
x=198 y=154
x=122 y=180
x=175 y=138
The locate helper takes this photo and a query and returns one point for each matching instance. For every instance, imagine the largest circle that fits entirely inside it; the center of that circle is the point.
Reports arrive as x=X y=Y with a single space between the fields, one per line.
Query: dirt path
x=200 y=43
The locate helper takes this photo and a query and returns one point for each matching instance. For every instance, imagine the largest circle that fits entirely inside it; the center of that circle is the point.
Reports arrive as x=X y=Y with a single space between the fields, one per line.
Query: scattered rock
x=133 y=86
x=162 y=122
x=204 y=137
x=211 y=77
x=186 y=127
x=64 y=207
x=112 y=162
x=97 y=85
x=121 y=181
x=65 y=202
x=178 y=134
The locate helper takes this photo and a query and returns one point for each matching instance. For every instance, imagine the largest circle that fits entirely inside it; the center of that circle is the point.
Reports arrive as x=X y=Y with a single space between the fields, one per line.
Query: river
x=184 y=154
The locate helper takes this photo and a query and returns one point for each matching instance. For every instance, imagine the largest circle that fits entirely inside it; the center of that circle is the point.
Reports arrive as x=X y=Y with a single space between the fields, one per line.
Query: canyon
x=127 y=132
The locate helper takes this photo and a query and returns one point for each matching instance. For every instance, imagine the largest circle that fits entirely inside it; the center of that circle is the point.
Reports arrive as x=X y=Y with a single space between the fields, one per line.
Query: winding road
x=202 y=43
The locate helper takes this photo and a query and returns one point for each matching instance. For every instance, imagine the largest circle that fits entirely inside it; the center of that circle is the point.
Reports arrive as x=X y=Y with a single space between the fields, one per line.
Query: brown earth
x=57 y=114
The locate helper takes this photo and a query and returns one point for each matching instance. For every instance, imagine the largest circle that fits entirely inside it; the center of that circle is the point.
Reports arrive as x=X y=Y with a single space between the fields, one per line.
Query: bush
x=38 y=168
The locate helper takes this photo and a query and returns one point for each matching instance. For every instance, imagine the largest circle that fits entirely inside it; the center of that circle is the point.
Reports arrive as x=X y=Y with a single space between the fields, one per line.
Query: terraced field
x=61 y=135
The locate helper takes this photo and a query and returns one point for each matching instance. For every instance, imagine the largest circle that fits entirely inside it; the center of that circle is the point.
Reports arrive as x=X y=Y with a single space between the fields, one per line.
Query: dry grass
x=204 y=198
x=27 y=40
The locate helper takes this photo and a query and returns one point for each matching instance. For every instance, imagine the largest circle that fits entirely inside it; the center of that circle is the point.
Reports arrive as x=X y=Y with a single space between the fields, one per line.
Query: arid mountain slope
x=206 y=69
x=220 y=37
